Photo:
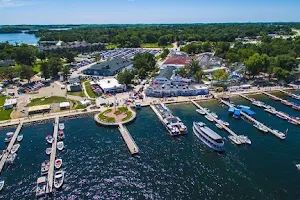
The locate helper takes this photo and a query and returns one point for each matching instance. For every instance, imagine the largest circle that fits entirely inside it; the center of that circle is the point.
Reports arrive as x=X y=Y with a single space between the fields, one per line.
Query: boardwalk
x=216 y=120
x=254 y=120
x=52 y=157
x=285 y=102
x=10 y=145
x=295 y=96
x=133 y=148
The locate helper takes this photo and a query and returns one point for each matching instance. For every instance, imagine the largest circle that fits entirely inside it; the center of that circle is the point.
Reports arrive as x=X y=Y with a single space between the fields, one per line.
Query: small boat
x=7 y=139
x=298 y=166
x=244 y=139
x=15 y=148
x=48 y=151
x=279 y=134
x=200 y=111
x=60 y=146
x=45 y=167
x=261 y=127
x=293 y=122
x=59 y=179
x=209 y=118
x=257 y=103
x=11 y=158
x=58 y=163
x=20 y=138
x=9 y=134
x=61 y=126
x=61 y=137
x=206 y=109
x=1 y=153
x=272 y=111
x=219 y=126
x=214 y=115
x=1 y=184
x=49 y=139
x=285 y=102
x=224 y=123
x=234 y=139
x=41 y=185
x=282 y=115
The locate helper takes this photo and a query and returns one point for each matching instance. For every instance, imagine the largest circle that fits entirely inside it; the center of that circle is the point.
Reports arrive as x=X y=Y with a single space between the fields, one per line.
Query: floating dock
x=216 y=120
x=263 y=105
x=52 y=158
x=133 y=148
x=291 y=94
x=253 y=120
x=284 y=102
x=10 y=145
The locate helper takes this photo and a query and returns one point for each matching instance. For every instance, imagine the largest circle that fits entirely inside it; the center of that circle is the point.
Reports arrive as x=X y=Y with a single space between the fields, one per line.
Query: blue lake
x=19 y=38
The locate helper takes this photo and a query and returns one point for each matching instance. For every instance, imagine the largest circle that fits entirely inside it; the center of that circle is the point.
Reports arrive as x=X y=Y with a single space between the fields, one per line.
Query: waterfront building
x=108 y=68
x=177 y=62
x=9 y=103
x=39 y=109
x=111 y=85
x=64 y=105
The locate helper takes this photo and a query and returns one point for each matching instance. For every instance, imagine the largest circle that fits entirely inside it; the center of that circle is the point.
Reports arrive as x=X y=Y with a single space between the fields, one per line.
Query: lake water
x=19 y=38
x=99 y=166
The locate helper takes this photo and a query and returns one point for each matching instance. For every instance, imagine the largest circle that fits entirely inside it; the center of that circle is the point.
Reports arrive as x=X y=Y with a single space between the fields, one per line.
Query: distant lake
x=19 y=38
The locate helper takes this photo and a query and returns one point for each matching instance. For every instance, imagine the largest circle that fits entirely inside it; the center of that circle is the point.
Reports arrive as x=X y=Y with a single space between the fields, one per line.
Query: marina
x=285 y=102
x=295 y=96
x=133 y=148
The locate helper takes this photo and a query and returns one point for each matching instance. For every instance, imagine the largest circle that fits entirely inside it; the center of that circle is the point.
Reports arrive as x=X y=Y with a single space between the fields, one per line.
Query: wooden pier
x=156 y=112
x=216 y=120
x=10 y=145
x=133 y=148
x=253 y=120
x=52 y=158
x=291 y=94
x=284 y=102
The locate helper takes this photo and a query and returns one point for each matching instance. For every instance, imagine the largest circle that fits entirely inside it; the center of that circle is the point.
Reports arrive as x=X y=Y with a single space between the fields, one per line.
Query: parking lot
x=126 y=53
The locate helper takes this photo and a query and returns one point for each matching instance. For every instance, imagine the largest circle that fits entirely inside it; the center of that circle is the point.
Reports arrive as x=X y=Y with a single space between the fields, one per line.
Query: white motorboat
x=59 y=179
x=61 y=126
x=58 y=163
x=298 y=166
x=45 y=167
x=20 y=138
x=244 y=139
x=1 y=184
x=15 y=148
x=214 y=115
x=206 y=109
x=9 y=134
x=282 y=115
x=261 y=127
x=200 y=111
x=224 y=123
x=41 y=185
x=208 y=136
x=219 y=126
x=209 y=118
x=60 y=146
x=279 y=134
x=234 y=139
x=257 y=103
x=49 y=139
x=48 y=151
x=11 y=158
x=7 y=139
x=270 y=110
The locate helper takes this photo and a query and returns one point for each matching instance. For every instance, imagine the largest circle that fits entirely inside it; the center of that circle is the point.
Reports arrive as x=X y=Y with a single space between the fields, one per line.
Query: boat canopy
x=231 y=109
x=248 y=111
x=237 y=112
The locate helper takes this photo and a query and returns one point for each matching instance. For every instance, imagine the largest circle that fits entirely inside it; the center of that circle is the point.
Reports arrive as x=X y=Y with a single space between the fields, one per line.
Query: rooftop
x=177 y=61
x=108 y=83
x=112 y=65
x=166 y=72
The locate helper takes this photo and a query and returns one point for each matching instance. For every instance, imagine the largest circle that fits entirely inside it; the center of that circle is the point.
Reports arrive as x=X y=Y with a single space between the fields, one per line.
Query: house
x=177 y=62
x=9 y=103
x=74 y=87
x=108 y=68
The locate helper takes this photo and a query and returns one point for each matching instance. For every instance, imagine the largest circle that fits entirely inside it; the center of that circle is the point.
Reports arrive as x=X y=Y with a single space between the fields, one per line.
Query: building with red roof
x=177 y=62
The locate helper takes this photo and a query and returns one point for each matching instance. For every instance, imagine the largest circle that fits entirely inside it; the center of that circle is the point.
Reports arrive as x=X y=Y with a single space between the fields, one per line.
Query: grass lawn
x=121 y=110
x=102 y=116
x=111 y=46
x=49 y=100
x=80 y=93
x=89 y=90
x=4 y=114
x=128 y=116
x=77 y=105
x=158 y=57
x=155 y=45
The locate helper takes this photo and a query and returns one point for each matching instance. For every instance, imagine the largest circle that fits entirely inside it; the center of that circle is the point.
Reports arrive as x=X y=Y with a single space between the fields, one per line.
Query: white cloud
x=14 y=3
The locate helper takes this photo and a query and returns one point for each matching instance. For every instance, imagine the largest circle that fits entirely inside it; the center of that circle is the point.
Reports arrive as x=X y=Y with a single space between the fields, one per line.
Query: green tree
x=25 y=55
x=70 y=56
x=8 y=73
x=257 y=63
x=286 y=62
x=45 y=70
x=198 y=76
x=125 y=77
x=55 y=66
x=220 y=75
x=281 y=74
x=41 y=55
x=194 y=67
x=165 y=53
x=144 y=63
x=66 y=71
x=26 y=72
x=182 y=72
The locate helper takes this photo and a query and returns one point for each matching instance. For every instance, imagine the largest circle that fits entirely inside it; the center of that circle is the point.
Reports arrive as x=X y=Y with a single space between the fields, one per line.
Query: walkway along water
x=254 y=120
x=10 y=145
x=285 y=102
x=295 y=96
x=133 y=148
x=52 y=158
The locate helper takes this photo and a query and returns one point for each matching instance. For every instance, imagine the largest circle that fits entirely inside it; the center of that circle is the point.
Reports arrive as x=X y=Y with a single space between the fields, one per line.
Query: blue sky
x=146 y=11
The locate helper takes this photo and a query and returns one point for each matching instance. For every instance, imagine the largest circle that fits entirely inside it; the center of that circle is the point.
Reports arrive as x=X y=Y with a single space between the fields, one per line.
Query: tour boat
x=219 y=126
x=208 y=136
x=45 y=167
x=214 y=115
x=298 y=166
x=60 y=146
x=41 y=185
x=58 y=163
x=235 y=139
x=244 y=139
x=61 y=126
x=59 y=179
x=200 y=111
x=11 y=158
x=261 y=127
x=209 y=118
x=15 y=148
x=49 y=139
x=9 y=134
x=1 y=184
x=48 y=151
x=20 y=138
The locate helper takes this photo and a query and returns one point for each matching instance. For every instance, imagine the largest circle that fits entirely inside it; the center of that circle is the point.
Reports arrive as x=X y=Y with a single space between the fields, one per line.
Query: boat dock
x=295 y=96
x=216 y=120
x=285 y=102
x=265 y=106
x=272 y=96
x=52 y=158
x=10 y=145
x=253 y=120
x=133 y=148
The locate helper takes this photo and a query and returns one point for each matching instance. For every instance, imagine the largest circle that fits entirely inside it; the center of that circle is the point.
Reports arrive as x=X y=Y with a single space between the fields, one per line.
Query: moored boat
x=11 y=158
x=59 y=179
x=272 y=111
x=61 y=126
x=9 y=134
x=235 y=139
x=48 y=151
x=60 y=146
x=298 y=166
x=244 y=139
x=20 y=138
x=261 y=127
x=209 y=118
x=214 y=115
x=45 y=167
x=7 y=139
x=41 y=186
x=219 y=126
x=281 y=115
x=224 y=123
x=208 y=136
x=200 y=111
x=279 y=134
x=257 y=103
x=49 y=139
x=285 y=102
x=15 y=148
x=61 y=136
x=58 y=163
x=1 y=184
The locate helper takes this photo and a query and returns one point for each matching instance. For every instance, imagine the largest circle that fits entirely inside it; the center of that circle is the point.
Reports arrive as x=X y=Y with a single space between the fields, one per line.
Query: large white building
x=111 y=85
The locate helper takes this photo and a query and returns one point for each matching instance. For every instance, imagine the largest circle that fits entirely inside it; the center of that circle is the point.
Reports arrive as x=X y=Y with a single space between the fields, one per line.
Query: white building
x=9 y=103
x=64 y=105
x=111 y=85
